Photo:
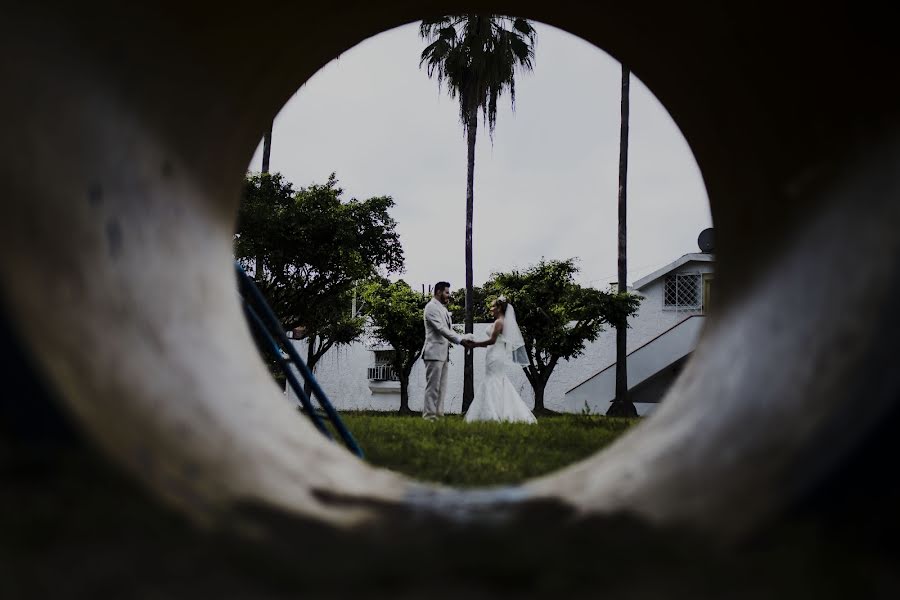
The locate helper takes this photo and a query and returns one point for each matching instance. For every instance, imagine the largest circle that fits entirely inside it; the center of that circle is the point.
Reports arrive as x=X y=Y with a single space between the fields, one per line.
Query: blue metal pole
x=248 y=287
x=292 y=380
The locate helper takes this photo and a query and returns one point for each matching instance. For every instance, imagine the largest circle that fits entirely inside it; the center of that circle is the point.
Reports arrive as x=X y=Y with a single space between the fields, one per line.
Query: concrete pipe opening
x=128 y=131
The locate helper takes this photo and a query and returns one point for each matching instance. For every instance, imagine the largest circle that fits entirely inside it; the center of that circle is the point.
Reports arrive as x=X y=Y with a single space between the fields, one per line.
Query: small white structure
x=651 y=370
x=660 y=338
x=665 y=330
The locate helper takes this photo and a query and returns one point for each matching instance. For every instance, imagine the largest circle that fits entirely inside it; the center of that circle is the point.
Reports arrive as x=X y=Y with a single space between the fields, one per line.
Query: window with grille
x=384 y=357
x=683 y=291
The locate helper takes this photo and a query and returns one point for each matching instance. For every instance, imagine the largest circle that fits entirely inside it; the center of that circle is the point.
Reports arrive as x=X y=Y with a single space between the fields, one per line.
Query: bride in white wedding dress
x=497 y=398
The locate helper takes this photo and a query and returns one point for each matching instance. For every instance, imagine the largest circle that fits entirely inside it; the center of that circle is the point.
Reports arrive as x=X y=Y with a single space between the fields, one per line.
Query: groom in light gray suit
x=439 y=335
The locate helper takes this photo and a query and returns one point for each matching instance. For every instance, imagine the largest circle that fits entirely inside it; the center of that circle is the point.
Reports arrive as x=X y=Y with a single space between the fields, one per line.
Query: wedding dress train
x=497 y=398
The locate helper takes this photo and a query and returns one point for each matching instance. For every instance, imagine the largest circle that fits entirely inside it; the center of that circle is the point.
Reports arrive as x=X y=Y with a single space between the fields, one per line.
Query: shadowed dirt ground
x=71 y=526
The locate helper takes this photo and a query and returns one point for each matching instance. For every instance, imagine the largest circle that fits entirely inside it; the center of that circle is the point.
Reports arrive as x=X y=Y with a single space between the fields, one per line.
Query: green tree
x=480 y=308
x=396 y=313
x=477 y=57
x=314 y=248
x=556 y=315
x=622 y=405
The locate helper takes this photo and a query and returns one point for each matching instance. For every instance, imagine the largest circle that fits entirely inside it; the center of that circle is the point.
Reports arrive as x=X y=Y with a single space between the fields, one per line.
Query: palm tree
x=477 y=56
x=267 y=149
x=622 y=406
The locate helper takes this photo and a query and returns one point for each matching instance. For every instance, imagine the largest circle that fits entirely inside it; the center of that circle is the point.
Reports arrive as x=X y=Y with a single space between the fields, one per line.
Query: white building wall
x=342 y=372
x=643 y=364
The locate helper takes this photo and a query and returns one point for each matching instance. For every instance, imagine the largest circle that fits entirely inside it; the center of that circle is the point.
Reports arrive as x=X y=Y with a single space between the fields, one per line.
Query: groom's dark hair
x=440 y=286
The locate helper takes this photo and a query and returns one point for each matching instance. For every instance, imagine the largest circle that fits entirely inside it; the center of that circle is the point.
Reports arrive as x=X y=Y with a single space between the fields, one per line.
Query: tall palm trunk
x=267 y=150
x=468 y=368
x=622 y=406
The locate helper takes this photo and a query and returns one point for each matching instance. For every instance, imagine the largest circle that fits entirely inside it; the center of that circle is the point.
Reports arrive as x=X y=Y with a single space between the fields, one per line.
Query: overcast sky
x=547 y=185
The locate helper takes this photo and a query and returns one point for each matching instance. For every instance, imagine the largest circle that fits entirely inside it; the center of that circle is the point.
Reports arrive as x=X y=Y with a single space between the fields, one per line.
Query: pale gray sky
x=545 y=188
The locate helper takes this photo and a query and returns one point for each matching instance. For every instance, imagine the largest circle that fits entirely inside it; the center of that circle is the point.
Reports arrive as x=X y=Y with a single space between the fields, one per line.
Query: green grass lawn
x=453 y=452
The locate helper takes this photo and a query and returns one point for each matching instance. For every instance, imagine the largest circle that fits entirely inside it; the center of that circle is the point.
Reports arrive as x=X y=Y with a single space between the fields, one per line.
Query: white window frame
x=681 y=279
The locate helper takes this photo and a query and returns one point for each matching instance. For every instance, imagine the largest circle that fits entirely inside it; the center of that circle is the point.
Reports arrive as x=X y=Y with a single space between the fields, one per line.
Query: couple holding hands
x=497 y=398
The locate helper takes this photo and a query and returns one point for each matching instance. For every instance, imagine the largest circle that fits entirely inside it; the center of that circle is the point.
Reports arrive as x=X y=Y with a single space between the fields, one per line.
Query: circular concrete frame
x=128 y=131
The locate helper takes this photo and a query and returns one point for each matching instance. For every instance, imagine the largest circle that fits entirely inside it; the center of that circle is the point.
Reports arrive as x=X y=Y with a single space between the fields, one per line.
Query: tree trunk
x=468 y=368
x=404 y=394
x=258 y=270
x=310 y=360
x=622 y=406
x=539 y=386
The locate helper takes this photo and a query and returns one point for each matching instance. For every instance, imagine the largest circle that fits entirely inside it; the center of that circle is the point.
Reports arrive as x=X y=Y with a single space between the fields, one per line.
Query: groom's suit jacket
x=438 y=332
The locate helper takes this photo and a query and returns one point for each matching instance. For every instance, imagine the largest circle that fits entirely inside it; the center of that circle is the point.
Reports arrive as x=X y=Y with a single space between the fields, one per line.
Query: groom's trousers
x=435 y=387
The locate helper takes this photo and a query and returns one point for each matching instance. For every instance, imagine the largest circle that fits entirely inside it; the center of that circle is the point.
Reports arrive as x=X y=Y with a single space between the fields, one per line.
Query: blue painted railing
x=265 y=324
